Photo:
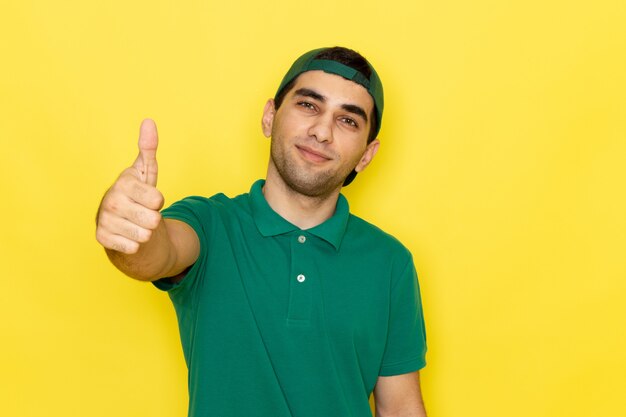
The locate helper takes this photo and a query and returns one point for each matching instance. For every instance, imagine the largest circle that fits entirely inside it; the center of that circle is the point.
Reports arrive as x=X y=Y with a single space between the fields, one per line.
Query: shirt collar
x=271 y=223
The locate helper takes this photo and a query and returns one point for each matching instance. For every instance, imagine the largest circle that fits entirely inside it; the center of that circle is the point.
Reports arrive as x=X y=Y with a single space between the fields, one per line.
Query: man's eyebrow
x=352 y=108
x=306 y=92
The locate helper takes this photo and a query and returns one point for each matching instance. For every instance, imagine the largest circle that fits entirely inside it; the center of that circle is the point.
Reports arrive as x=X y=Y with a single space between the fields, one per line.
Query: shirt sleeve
x=195 y=212
x=405 y=350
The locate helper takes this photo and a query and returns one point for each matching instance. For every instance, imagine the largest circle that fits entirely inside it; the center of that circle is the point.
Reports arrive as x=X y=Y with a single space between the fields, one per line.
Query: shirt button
x=301 y=239
x=301 y=278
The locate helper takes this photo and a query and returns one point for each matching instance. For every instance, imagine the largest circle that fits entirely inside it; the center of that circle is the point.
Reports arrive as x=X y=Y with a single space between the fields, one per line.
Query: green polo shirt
x=276 y=321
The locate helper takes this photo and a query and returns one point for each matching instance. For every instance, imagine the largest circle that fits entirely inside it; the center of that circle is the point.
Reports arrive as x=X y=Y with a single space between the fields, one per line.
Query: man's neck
x=298 y=209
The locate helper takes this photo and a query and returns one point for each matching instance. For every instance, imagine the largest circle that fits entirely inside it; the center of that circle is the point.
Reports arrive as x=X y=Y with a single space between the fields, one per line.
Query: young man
x=287 y=304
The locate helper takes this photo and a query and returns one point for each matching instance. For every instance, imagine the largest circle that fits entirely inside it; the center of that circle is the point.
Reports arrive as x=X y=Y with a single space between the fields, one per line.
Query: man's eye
x=349 y=121
x=306 y=105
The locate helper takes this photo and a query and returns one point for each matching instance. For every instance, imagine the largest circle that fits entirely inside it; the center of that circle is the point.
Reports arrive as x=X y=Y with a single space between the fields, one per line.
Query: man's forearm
x=399 y=396
x=154 y=259
x=418 y=411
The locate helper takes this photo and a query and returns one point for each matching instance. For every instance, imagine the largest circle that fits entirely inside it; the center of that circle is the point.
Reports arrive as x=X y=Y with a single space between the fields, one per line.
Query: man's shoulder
x=207 y=208
x=215 y=201
x=362 y=230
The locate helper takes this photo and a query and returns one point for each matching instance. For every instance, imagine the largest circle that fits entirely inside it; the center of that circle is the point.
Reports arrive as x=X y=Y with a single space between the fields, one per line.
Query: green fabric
x=260 y=341
x=334 y=67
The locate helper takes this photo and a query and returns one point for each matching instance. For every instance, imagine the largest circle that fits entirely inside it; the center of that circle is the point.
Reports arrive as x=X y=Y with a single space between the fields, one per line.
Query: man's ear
x=368 y=155
x=268 y=117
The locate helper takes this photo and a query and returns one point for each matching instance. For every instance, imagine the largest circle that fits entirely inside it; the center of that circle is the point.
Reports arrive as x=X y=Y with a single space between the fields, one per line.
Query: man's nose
x=322 y=128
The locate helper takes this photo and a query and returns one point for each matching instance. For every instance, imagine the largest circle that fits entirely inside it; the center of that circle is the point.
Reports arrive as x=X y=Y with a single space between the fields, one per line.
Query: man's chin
x=314 y=187
x=307 y=179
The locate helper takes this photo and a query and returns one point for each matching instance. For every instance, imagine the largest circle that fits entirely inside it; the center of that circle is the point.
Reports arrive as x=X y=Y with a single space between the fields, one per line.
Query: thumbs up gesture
x=129 y=211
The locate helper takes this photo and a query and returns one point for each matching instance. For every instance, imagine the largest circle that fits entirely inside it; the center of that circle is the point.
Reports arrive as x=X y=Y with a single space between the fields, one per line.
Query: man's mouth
x=312 y=155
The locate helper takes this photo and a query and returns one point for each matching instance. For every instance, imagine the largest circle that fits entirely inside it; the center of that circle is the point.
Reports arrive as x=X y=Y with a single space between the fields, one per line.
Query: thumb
x=146 y=162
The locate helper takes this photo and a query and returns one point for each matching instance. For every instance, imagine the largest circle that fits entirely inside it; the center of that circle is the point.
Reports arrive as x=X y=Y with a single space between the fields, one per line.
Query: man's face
x=319 y=133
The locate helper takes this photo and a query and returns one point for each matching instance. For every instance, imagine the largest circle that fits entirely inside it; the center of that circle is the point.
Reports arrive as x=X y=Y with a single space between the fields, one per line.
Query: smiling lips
x=312 y=155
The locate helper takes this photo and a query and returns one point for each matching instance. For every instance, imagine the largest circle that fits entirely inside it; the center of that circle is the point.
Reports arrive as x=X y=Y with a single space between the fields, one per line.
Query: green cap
x=308 y=62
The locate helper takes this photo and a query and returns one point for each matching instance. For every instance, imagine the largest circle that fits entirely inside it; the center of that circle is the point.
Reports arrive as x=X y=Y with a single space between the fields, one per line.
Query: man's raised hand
x=129 y=211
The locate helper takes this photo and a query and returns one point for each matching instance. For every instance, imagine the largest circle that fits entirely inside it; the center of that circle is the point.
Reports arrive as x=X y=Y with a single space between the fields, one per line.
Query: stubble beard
x=318 y=184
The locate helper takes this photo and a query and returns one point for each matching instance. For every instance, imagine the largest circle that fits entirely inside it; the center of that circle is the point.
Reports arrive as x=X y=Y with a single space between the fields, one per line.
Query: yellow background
x=501 y=168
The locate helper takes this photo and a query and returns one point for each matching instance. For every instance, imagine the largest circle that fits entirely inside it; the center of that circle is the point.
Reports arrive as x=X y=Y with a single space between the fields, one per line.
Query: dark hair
x=347 y=57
